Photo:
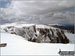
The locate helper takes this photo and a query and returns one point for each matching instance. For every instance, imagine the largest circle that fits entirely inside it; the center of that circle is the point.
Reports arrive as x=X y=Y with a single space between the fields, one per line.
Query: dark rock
x=3 y=44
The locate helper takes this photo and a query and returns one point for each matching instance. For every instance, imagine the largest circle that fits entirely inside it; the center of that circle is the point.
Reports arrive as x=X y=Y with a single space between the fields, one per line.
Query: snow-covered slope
x=71 y=37
x=17 y=45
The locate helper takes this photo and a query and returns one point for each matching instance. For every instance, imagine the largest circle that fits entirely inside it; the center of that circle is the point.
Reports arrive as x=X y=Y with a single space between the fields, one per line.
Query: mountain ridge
x=38 y=33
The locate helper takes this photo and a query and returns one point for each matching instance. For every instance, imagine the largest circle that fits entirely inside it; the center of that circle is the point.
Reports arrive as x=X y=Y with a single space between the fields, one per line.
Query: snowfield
x=71 y=37
x=17 y=45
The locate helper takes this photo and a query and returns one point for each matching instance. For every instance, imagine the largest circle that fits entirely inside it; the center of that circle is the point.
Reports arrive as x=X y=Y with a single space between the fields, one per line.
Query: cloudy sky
x=37 y=11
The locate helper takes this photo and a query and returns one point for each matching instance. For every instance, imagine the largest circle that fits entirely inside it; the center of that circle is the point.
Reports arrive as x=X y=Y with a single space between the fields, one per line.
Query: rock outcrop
x=39 y=35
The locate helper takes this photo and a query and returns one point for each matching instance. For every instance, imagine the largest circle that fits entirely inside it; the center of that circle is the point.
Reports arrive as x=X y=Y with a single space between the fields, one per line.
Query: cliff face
x=35 y=33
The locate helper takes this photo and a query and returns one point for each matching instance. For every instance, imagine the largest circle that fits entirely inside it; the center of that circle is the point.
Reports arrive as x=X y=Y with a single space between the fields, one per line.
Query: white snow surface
x=17 y=45
x=71 y=37
x=25 y=25
x=16 y=25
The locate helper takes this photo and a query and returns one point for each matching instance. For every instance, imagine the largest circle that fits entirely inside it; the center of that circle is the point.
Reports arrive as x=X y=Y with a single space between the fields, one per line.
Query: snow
x=71 y=37
x=16 y=25
x=17 y=45
x=25 y=25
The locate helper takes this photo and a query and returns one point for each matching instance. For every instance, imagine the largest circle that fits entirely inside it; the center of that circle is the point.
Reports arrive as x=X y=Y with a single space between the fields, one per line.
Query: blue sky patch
x=4 y=3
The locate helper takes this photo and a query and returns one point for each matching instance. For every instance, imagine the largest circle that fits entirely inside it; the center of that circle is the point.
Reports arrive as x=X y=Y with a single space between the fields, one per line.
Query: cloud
x=50 y=11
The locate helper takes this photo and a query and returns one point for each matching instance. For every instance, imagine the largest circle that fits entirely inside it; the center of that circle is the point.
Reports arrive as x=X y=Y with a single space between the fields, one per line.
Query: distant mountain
x=68 y=27
x=64 y=26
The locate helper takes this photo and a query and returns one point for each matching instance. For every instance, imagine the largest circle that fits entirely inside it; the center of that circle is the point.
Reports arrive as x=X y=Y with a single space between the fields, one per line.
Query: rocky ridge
x=38 y=33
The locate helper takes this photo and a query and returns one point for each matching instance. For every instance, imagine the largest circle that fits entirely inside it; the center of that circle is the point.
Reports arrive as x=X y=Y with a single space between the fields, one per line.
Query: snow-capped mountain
x=37 y=33
x=21 y=39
